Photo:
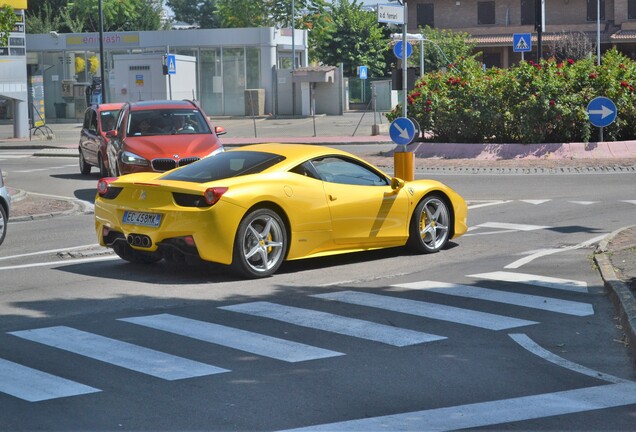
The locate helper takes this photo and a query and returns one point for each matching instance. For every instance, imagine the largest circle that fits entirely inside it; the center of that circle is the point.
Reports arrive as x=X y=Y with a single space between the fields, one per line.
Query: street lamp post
x=101 y=52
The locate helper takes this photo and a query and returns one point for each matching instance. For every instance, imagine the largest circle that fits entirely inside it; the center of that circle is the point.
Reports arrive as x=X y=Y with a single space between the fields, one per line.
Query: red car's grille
x=168 y=164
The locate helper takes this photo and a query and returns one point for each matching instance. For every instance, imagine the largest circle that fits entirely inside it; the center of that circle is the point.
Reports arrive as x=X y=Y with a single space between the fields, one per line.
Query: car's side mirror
x=397 y=183
x=111 y=133
x=219 y=130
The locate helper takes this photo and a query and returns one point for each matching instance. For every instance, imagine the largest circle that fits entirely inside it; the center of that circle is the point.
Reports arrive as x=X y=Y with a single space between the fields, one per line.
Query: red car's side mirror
x=219 y=130
x=111 y=133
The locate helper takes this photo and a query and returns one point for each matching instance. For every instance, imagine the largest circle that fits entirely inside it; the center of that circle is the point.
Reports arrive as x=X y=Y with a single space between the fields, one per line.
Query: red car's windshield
x=167 y=122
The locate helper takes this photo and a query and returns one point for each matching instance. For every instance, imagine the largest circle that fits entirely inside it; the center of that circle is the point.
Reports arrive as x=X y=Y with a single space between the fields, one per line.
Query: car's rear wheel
x=3 y=224
x=103 y=172
x=129 y=254
x=260 y=244
x=429 y=230
x=84 y=166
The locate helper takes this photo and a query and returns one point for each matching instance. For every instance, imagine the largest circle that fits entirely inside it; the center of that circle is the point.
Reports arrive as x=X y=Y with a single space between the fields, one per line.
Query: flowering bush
x=529 y=102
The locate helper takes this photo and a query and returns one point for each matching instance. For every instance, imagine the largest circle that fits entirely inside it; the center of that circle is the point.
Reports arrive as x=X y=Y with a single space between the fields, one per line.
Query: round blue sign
x=601 y=111
x=398 y=49
x=402 y=131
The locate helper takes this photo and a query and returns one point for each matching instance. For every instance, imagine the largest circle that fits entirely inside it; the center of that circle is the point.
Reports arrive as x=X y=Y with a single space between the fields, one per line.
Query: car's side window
x=93 y=124
x=306 y=169
x=336 y=169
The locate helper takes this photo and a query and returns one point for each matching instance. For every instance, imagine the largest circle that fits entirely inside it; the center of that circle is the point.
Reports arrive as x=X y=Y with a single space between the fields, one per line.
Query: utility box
x=139 y=77
x=255 y=102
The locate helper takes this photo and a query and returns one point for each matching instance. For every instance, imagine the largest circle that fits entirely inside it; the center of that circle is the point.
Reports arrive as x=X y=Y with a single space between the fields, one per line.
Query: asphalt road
x=509 y=328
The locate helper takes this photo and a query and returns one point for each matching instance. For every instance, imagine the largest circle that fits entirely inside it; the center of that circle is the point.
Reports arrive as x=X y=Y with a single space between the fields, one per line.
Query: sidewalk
x=616 y=255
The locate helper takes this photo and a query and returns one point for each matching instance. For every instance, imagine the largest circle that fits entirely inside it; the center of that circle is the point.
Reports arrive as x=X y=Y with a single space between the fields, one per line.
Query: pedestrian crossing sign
x=521 y=42
x=171 y=62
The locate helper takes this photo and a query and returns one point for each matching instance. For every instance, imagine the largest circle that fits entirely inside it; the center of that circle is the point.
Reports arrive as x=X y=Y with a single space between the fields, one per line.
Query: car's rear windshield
x=225 y=165
x=167 y=122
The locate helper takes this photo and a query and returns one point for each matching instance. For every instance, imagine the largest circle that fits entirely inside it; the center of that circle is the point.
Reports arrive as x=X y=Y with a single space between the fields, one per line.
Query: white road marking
x=511 y=226
x=33 y=385
x=123 y=354
x=539 y=351
x=536 y=201
x=546 y=252
x=50 y=251
x=584 y=202
x=524 y=300
x=61 y=263
x=44 y=169
x=243 y=340
x=529 y=279
x=335 y=323
x=428 y=310
x=472 y=203
x=495 y=412
x=629 y=201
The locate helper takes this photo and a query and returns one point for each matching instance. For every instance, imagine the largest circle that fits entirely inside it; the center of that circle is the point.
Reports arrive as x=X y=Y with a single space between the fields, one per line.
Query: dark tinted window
x=167 y=122
x=340 y=170
x=592 y=9
x=425 y=15
x=486 y=12
x=108 y=119
x=225 y=165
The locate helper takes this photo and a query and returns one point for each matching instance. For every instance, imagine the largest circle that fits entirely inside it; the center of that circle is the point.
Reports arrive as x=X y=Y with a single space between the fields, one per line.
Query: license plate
x=140 y=218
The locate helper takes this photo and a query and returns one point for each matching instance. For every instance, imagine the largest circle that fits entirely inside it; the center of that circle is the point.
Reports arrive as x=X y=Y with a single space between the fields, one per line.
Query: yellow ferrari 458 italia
x=255 y=206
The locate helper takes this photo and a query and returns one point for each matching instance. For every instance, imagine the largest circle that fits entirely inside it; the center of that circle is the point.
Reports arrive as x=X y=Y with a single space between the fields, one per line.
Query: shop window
x=592 y=7
x=425 y=15
x=485 y=12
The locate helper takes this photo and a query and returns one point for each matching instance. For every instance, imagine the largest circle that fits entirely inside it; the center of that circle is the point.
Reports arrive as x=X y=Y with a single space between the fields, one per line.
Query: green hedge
x=527 y=103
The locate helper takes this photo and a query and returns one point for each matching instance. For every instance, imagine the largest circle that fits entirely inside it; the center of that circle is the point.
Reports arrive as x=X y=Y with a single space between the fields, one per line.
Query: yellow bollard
x=404 y=165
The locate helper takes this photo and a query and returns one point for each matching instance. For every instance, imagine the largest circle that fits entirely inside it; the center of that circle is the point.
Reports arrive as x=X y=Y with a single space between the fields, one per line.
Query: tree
x=7 y=22
x=572 y=45
x=201 y=12
x=41 y=18
x=444 y=47
x=118 y=15
x=242 y=13
x=353 y=38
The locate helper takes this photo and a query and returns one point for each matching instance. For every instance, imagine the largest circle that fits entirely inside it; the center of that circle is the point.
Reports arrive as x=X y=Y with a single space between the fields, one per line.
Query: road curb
x=619 y=291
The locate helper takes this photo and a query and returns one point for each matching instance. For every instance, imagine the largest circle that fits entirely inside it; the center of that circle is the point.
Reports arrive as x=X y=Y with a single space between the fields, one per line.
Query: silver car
x=5 y=206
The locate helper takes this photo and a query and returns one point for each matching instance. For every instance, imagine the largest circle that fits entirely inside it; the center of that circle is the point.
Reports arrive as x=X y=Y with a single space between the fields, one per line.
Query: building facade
x=228 y=62
x=492 y=23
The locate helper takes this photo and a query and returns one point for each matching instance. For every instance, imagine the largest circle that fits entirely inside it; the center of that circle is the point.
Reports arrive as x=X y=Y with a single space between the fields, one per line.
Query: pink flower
x=570 y=61
x=552 y=102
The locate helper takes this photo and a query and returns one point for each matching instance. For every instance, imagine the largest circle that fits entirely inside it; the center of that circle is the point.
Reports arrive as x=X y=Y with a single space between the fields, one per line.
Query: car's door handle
x=332 y=198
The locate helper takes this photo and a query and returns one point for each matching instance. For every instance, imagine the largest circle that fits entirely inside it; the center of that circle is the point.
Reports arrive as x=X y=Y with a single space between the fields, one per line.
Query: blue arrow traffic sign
x=402 y=131
x=398 y=49
x=601 y=111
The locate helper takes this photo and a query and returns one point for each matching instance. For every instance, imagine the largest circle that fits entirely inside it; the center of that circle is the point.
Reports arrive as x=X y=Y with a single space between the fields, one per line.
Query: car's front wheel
x=260 y=244
x=3 y=223
x=429 y=230
x=103 y=172
x=84 y=166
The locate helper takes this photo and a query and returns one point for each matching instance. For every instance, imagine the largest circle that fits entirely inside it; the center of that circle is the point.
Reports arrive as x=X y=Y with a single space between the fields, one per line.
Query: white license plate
x=140 y=218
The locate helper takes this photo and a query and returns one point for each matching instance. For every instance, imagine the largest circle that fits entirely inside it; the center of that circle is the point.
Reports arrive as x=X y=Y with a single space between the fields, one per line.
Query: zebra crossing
x=33 y=385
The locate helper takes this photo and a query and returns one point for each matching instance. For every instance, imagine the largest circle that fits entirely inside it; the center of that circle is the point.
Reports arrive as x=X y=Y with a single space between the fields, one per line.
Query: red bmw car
x=158 y=136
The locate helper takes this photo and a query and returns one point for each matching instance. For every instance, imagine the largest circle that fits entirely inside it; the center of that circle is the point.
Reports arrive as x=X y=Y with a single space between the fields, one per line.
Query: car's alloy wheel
x=430 y=225
x=260 y=244
x=84 y=167
x=3 y=224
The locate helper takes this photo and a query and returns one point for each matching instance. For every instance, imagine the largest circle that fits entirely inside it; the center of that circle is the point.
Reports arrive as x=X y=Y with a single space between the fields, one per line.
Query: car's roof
x=108 y=106
x=293 y=151
x=159 y=104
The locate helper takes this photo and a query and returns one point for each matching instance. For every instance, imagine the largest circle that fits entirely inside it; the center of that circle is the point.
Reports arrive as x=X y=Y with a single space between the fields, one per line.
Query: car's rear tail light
x=213 y=194
x=105 y=190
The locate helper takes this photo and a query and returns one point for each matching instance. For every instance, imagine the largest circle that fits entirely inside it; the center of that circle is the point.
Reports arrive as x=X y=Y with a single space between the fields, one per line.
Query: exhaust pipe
x=139 y=240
